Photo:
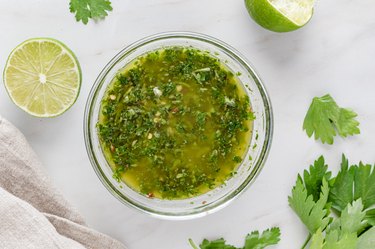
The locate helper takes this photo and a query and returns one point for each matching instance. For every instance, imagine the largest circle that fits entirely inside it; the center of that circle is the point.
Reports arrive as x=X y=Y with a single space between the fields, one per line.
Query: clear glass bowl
x=247 y=171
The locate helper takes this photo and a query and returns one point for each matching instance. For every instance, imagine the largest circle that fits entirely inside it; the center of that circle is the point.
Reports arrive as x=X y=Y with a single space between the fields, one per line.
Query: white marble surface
x=334 y=53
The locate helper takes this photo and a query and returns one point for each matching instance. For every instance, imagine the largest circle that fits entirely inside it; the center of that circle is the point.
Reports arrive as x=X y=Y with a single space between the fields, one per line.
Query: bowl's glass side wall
x=206 y=203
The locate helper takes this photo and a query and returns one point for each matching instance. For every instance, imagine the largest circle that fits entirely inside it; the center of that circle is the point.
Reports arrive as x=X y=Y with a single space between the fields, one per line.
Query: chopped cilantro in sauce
x=175 y=123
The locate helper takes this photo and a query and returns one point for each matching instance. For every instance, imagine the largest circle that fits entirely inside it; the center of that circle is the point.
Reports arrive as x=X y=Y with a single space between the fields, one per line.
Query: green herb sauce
x=175 y=123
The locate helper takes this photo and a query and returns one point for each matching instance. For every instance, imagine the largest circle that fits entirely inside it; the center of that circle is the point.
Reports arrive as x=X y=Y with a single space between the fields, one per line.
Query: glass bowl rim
x=239 y=59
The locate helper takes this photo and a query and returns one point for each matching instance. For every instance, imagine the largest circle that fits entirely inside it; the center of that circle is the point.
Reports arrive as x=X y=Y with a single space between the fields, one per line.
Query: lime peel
x=281 y=15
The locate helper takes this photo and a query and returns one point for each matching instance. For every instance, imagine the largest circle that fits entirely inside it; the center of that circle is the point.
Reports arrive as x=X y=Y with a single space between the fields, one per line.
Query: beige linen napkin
x=32 y=213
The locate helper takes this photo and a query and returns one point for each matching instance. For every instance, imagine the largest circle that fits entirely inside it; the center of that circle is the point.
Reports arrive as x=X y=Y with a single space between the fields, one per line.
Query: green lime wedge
x=281 y=15
x=42 y=77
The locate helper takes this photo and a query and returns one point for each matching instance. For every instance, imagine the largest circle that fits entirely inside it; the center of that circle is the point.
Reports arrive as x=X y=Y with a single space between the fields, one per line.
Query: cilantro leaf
x=341 y=193
x=312 y=214
x=353 y=183
x=325 y=118
x=268 y=237
x=333 y=241
x=346 y=241
x=342 y=233
x=370 y=217
x=367 y=239
x=352 y=219
x=314 y=177
x=364 y=184
x=253 y=241
x=86 y=9
x=317 y=240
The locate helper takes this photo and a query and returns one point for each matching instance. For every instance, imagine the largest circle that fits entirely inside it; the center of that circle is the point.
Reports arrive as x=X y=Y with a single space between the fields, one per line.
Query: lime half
x=42 y=77
x=281 y=15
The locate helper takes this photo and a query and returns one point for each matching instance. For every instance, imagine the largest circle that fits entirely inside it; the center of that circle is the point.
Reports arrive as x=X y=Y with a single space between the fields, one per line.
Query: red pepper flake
x=150 y=195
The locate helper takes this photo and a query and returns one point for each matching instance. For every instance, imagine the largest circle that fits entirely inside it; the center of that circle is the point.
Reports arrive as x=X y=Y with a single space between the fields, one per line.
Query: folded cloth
x=33 y=214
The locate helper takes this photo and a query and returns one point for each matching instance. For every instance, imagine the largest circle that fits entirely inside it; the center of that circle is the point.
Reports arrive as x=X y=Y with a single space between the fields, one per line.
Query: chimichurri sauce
x=175 y=123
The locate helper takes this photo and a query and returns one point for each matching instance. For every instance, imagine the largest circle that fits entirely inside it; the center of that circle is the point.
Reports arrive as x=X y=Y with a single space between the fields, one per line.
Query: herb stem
x=306 y=242
x=191 y=242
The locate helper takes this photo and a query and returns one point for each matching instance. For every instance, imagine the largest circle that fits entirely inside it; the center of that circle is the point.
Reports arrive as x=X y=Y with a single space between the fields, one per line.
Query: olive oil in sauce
x=175 y=123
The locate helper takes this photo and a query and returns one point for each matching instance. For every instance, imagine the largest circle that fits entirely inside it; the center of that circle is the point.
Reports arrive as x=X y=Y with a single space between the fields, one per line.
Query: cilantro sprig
x=325 y=119
x=90 y=9
x=254 y=240
x=338 y=211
